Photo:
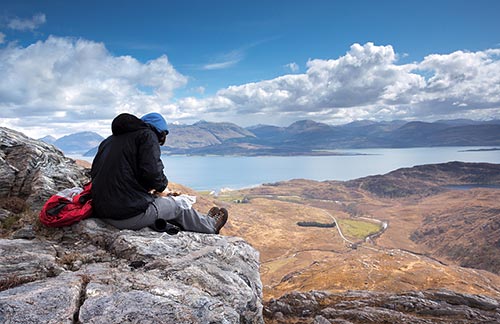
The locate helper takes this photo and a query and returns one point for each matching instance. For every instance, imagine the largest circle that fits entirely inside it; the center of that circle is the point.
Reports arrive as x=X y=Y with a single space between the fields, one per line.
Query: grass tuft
x=12 y=281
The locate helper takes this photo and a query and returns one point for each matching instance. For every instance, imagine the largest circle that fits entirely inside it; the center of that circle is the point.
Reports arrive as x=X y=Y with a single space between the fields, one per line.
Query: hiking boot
x=213 y=211
x=220 y=219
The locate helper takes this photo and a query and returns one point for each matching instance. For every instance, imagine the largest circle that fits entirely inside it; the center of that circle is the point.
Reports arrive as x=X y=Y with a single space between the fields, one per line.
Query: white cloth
x=184 y=201
x=70 y=192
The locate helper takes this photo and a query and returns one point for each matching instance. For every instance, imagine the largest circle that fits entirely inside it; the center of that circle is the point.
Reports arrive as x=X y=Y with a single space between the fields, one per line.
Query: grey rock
x=184 y=278
x=436 y=306
x=320 y=320
x=27 y=260
x=33 y=170
x=339 y=321
x=217 y=275
x=26 y=232
x=481 y=302
x=52 y=300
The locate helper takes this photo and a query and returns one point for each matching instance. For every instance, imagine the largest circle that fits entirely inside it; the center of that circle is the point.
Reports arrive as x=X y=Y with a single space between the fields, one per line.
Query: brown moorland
x=427 y=237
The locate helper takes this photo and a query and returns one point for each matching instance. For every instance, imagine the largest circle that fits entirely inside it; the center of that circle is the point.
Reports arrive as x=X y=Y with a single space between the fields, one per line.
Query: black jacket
x=127 y=166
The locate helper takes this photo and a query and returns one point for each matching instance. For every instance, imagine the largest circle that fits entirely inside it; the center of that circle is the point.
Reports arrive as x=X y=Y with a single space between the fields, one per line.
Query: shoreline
x=482 y=150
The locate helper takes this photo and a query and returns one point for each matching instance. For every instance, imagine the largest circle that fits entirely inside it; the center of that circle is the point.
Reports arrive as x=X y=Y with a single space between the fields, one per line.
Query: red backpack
x=67 y=207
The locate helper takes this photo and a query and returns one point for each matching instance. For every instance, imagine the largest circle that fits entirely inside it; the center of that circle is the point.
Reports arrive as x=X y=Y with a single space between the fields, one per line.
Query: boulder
x=93 y=273
x=33 y=170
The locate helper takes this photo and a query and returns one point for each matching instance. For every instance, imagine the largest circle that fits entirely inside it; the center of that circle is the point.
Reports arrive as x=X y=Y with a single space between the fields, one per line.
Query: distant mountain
x=307 y=126
x=78 y=142
x=91 y=152
x=202 y=138
x=189 y=137
x=308 y=137
x=486 y=134
x=49 y=139
x=415 y=134
x=463 y=122
x=268 y=133
x=366 y=134
x=224 y=131
x=204 y=134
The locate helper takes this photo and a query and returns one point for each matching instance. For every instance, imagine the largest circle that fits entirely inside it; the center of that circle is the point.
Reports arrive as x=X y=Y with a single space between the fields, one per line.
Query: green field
x=230 y=196
x=358 y=229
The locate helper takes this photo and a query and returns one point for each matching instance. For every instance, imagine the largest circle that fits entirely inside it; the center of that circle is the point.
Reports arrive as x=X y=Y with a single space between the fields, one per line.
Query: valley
x=425 y=237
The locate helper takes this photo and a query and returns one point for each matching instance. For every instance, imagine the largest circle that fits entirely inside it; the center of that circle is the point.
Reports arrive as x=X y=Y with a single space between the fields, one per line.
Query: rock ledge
x=93 y=273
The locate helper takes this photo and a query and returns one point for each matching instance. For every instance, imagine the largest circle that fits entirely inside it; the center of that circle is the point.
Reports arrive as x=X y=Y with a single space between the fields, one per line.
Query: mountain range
x=79 y=143
x=306 y=137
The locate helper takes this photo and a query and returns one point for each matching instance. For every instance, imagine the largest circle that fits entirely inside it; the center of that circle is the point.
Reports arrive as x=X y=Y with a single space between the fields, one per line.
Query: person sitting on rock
x=127 y=172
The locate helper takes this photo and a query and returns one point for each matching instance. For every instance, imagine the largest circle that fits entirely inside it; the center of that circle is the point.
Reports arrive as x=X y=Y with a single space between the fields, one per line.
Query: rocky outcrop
x=422 y=307
x=33 y=170
x=93 y=273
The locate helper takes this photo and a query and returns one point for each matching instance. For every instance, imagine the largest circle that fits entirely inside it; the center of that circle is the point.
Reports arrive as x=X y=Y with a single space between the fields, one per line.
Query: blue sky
x=70 y=65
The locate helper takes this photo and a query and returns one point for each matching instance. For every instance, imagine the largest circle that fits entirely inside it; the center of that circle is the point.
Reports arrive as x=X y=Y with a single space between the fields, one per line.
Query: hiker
x=128 y=179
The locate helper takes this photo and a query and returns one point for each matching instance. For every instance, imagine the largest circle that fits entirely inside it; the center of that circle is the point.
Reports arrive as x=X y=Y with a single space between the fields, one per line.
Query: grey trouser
x=165 y=209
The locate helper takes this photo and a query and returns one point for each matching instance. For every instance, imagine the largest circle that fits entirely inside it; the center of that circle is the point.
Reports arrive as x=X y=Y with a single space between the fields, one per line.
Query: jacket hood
x=126 y=123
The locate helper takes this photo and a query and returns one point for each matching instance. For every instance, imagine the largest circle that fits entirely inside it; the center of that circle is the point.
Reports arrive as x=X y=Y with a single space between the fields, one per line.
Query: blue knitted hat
x=156 y=120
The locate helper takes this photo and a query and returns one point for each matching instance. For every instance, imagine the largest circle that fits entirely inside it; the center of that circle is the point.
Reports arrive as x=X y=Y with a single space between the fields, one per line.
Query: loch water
x=218 y=172
x=214 y=173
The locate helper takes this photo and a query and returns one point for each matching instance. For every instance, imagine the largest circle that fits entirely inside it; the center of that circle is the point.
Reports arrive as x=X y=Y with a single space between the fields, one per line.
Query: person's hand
x=173 y=193
x=162 y=193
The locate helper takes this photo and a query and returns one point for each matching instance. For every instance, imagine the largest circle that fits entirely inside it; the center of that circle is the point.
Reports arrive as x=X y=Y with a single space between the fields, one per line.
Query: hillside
x=426 y=180
x=389 y=242
x=467 y=233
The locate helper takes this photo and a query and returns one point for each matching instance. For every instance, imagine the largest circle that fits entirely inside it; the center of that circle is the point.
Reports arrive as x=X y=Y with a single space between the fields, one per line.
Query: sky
x=70 y=66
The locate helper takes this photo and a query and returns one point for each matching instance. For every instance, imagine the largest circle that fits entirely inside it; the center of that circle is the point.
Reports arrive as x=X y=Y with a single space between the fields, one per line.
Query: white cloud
x=61 y=81
x=82 y=79
x=367 y=82
x=2 y=38
x=469 y=78
x=220 y=65
x=294 y=67
x=231 y=58
x=27 y=24
x=226 y=60
x=360 y=78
